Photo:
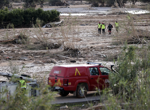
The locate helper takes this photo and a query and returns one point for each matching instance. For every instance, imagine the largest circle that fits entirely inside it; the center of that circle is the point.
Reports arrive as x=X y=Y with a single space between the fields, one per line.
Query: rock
x=46 y=33
x=82 y=24
x=30 y=57
x=36 y=42
x=103 y=56
x=37 y=56
x=62 y=61
x=24 y=58
x=29 y=66
x=50 y=61
x=56 y=29
x=73 y=61
x=54 y=61
x=64 y=107
x=4 y=52
x=12 y=51
x=23 y=63
x=1 y=51
x=38 y=62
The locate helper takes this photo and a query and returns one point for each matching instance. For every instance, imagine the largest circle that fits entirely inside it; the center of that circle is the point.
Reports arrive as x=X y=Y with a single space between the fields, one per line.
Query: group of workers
x=102 y=27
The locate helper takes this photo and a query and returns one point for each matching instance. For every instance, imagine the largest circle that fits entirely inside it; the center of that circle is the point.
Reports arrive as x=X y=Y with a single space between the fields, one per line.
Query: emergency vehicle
x=78 y=79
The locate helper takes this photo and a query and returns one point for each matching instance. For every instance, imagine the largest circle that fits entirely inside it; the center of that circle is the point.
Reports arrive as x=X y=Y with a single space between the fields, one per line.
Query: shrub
x=54 y=2
x=26 y=18
x=130 y=84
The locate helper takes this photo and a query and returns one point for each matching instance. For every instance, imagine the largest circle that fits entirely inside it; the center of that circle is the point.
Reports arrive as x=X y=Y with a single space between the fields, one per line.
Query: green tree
x=53 y=2
x=134 y=1
x=30 y=3
x=41 y=3
x=4 y=3
x=108 y=2
x=145 y=0
x=27 y=17
x=119 y=2
x=96 y=2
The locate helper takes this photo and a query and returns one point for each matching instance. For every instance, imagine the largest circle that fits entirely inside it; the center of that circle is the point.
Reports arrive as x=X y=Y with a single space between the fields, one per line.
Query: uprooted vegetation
x=71 y=40
x=18 y=39
x=137 y=37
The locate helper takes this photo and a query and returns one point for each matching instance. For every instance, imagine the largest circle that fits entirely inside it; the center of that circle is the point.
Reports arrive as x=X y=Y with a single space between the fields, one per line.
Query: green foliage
x=3 y=14
x=130 y=84
x=30 y=3
x=110 y=2
x=26 y=18
x=127 y=71
x=107 y=2
x=20 y=101
x=134 y=1
x=96 y=2
x=145 y=0
x=4 y=3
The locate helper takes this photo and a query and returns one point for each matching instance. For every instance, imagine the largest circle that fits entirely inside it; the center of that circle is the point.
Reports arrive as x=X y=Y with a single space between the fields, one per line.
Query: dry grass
x=137 y=36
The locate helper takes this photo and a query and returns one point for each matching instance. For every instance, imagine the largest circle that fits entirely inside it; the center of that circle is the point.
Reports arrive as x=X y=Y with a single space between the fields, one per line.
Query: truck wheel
x=81 y=91
x=64 y=93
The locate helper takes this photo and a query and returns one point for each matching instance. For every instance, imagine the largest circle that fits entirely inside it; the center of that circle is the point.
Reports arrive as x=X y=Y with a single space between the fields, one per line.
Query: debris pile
x=19 y=39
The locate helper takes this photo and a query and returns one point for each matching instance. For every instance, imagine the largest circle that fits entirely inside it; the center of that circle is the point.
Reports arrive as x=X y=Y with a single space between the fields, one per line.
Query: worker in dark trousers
x=103 y=28
x=109 y=28
x=99 y=27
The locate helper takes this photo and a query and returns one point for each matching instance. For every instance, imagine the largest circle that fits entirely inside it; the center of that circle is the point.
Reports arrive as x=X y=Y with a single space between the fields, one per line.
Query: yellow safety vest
x=23 y=83
x=99 y=25
x=103 y=26
x=117 y=24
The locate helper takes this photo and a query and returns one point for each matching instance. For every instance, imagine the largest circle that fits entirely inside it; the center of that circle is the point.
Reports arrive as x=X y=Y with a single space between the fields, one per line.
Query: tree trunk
x=102 y=3
x=41 y=4
x=134 y=1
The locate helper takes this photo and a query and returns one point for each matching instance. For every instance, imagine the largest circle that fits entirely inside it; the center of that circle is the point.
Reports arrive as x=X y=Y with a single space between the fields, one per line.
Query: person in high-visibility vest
x=103 y=28
x=99 y=27
x=117 y=26
x=23 y=84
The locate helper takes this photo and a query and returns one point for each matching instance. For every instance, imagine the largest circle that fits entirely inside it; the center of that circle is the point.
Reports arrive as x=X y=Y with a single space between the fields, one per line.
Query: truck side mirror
x=112 y=67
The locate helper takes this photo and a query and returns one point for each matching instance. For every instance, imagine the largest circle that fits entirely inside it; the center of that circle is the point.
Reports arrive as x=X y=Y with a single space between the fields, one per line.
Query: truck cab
x=78 y=78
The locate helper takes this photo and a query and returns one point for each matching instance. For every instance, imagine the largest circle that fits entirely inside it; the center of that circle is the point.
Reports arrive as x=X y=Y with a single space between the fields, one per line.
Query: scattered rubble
x=53 y=24
x=38 y=62
x=50 y=61
x=19 y=39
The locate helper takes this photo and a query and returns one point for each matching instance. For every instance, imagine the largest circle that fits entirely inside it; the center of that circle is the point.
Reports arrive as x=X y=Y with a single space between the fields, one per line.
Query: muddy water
x=95 y=11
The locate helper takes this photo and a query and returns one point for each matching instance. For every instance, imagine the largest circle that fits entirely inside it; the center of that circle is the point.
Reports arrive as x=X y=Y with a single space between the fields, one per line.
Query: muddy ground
x=75 y=41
